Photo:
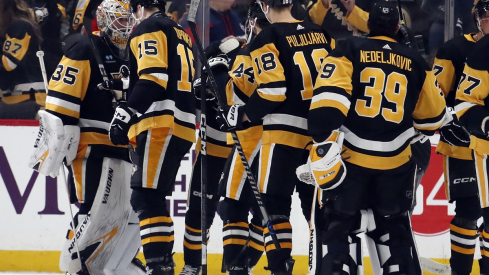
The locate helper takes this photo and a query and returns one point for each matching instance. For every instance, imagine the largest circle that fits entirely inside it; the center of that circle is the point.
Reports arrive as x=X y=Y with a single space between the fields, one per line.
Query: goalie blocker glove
x=324 y=168
x=120 y=124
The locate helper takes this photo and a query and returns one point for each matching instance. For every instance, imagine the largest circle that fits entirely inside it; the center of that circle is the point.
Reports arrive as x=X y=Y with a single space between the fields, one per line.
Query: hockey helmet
x=479 y=10
x=161 y=4
x=115 y=21
x=255 y=14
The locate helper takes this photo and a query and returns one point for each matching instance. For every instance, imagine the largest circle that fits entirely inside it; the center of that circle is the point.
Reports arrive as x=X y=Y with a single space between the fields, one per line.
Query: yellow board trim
x=48 y=261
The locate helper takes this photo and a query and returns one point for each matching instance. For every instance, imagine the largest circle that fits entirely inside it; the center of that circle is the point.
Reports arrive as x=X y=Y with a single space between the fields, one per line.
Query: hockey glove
x=230 y=117
x=324 y=168
x=455 y=134
x=197 y=86
x=118 y=86
x=120 y=124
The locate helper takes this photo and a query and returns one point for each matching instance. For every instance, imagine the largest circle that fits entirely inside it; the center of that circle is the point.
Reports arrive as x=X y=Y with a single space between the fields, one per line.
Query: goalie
x=377 y=104
x=74 y=128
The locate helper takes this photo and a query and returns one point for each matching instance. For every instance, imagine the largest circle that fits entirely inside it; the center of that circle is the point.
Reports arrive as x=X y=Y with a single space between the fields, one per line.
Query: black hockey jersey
x=376 y=90
x=74 y=97
x=286 y=58
x=471 y=103
x=448 y=67
x=20 y=72
x=161 y=73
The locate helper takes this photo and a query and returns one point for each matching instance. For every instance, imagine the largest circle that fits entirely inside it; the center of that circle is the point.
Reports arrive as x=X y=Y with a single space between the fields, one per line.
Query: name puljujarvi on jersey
x=304 y=39
x=399 y=61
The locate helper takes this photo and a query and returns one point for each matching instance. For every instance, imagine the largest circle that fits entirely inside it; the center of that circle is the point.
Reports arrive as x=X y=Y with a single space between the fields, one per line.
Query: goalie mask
x=115 y=21
x=324 y=168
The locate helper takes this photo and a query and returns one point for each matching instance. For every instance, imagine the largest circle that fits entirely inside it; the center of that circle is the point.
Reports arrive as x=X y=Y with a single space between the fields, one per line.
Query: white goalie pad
x=99 y=234
x=54 y=143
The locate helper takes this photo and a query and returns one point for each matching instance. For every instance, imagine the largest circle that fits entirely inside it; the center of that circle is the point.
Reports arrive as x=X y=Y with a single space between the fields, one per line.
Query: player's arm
x=358 y=18
x=68 y=84
x=332 y=94
x=444 y=69
x=318 y=11
x=16 y=45
x=151 y=53
x=241 y=84
x=270 y=79
x=470 y=99
x=430 y=111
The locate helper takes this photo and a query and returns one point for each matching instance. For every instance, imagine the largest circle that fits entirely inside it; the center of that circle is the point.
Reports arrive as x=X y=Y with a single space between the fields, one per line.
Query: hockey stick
x=40 y=55
x=203 y=170
x=194 y=5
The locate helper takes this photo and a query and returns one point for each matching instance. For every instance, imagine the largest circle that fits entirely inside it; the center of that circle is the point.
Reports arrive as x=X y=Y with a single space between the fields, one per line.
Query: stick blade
x=434 y=267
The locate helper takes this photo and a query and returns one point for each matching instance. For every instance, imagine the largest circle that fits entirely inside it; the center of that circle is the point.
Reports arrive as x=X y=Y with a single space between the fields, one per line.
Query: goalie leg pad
x=101 y=230
x=395 y=246
x=156 y=225
x=54 y=143
x=340 y=247
x=127 y=248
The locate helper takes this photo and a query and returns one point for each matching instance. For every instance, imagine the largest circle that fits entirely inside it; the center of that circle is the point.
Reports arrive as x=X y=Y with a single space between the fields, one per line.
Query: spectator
x=20 y=73
x=224 y=22
x=177 y=9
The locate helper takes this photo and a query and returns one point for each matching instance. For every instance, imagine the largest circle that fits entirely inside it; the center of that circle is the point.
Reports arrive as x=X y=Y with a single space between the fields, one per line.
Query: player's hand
x=455 y=134
x=349 y=4
x=120 y=124
x=230 y=117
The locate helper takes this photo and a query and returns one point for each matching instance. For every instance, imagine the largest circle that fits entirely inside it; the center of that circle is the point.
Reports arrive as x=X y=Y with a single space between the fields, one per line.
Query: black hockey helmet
x=479 y=9
x=383 y=16
x=161 y=4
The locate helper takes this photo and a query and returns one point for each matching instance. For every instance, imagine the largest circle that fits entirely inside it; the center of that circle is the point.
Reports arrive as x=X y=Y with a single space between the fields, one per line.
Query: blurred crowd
x=48 y=26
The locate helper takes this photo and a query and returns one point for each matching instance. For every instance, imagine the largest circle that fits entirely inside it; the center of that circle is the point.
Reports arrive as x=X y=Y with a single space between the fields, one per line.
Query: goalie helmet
x=479 y=11
x=115 y=21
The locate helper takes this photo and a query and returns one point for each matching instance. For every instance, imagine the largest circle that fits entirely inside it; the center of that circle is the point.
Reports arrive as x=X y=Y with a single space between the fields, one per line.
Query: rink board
x=35 y=209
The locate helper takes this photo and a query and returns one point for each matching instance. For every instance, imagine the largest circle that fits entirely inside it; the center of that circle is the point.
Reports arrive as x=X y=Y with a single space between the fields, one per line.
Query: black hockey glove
x=118 y=86
x=197 y=86
x=230 y=117
x=455 y=134
x=120 y=124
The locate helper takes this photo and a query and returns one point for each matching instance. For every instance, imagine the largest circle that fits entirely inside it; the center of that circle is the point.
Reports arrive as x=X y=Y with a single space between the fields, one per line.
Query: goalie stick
x=194 y=5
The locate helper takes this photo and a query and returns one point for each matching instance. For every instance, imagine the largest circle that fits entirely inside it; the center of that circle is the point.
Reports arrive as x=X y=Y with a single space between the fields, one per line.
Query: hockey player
x=374 y=91
x=243 y=241
x=459 y=170
x=160 y=118
x=281 y=53
x=472 y=93
x=107 y=235
x=217 y=151
x=20 y=73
